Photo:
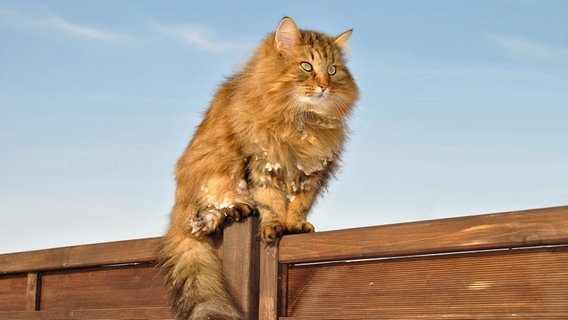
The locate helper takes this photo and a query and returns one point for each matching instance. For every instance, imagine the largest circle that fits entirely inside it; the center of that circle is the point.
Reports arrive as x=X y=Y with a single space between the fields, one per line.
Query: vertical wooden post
x=269 y=286
x=241 y=265
x=32 y=293
x=282 y=290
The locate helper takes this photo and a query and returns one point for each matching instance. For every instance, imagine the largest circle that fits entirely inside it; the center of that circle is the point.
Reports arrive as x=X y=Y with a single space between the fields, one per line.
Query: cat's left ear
x=287 y=35
x=341 y=40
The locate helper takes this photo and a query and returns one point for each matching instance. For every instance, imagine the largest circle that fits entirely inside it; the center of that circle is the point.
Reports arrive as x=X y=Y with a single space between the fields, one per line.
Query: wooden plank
x=457 y=286
x=98 y=314
x=241 y=265
x=487 y=316
x=282 y=290
x=32 y=301
x=103 y=288
x=506 y=230
x=140 y=250
x=13 y=292
x=268 y=291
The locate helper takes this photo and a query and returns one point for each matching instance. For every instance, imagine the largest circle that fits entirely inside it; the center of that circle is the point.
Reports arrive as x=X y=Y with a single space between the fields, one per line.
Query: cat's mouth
x=318 y=103
x=317 y=98
x=314 y=100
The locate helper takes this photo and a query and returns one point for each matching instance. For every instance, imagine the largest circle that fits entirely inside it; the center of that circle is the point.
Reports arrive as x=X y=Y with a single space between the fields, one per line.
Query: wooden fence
x=497 y=266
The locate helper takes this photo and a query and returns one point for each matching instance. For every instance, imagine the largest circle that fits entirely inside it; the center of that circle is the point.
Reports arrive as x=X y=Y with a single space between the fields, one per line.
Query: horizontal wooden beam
x=454 y=316
x=134 y=313
x=129 y=251
x=505 y=282
x=526 y=228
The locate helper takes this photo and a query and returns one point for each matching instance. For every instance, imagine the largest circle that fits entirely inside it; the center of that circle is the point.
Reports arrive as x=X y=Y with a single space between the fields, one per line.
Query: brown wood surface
x=469 y=286
x=80 y=256
x=467 y=316
x=103 y=288
x=241 y=265
x=403 y=280
x=32 y=292
x=269 y=282
x=13 y=292
x=514 y=229
x=160 y=313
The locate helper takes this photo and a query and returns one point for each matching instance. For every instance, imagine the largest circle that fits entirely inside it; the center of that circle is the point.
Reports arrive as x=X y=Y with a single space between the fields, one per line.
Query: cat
x=268 y=144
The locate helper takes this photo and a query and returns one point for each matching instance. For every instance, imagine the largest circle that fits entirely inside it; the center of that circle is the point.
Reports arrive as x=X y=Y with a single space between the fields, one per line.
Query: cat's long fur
x=269 y=142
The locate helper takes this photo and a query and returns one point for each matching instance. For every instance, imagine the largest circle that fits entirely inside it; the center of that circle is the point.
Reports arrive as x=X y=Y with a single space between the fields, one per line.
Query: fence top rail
x=547 y=226
x=100 y=254
x=537 y=227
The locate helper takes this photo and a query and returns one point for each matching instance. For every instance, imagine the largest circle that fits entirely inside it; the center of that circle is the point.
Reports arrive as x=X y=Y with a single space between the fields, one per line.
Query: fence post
x=269 y=282
x=241 y=264
x=32 y=294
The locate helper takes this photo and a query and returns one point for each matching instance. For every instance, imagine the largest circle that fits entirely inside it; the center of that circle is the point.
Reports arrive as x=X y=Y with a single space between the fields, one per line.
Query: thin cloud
x=202 y=38
x=82 y=31
x=47 y=20
x=528 y=50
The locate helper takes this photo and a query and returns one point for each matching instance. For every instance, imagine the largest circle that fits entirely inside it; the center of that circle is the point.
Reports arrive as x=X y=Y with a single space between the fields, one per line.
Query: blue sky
x=463 y=109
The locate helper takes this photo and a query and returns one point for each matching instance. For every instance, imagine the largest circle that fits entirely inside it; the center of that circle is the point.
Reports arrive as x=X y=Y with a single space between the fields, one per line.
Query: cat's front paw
x=301 y=227
x=206 y=223
x=268 y=232
x=239 y=210
x=198 y=227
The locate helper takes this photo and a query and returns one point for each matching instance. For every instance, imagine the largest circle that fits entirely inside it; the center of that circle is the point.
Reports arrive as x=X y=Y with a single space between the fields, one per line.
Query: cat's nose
x=323 y=87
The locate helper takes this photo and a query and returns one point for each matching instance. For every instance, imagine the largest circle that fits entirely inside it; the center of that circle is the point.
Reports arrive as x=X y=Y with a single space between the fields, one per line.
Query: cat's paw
x=268 y=232
x=206 y=223
x=301 y=227
x=199 y=227
x=238 y=211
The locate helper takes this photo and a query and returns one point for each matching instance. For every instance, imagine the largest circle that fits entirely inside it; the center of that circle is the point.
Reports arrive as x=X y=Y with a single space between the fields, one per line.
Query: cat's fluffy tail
x=193 y=273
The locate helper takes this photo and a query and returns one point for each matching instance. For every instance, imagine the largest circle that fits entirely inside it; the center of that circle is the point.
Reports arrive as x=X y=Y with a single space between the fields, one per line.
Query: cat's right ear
x=287 y=35
x=341 y=40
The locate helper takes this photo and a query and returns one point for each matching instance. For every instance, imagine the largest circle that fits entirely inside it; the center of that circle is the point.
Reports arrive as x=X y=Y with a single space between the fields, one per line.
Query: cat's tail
x=194 y=275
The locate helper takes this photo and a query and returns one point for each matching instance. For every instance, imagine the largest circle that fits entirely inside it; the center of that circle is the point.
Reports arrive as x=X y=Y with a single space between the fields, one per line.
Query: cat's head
x=311 y=70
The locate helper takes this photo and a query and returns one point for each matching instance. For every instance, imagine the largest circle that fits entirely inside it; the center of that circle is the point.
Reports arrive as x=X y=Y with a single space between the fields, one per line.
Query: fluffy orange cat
x=269 y=142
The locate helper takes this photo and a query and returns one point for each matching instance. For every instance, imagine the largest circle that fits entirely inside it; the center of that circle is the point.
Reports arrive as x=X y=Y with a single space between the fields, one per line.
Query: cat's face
x=323 y=83
x=318 y=80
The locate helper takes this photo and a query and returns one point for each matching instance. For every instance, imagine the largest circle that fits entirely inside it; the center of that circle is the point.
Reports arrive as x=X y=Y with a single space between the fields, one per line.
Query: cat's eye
x=306 y=66
x=331 y=70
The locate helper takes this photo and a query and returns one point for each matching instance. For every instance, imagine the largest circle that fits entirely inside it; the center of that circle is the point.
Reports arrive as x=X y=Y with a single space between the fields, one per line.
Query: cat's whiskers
x=343 y=106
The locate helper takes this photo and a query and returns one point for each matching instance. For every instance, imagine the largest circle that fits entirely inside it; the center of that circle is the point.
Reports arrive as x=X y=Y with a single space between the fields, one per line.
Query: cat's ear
x=341 y=40
x=287 y=35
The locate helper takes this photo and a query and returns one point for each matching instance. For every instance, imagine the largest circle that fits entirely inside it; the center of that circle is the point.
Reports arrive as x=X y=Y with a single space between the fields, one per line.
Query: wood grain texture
x=32 y=291
x=241 y=265
x=13 y=290
x=160 y=313
x=103 y=288
x=468 y=316
x=80 y=256
x=269 y=282
x=509 y=284
x=505 y=230
x=419 y=270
